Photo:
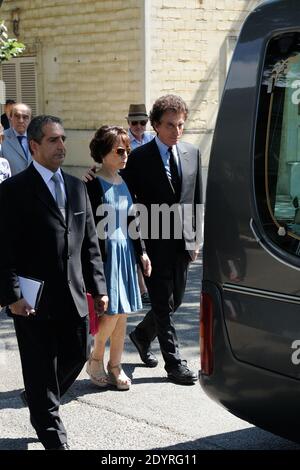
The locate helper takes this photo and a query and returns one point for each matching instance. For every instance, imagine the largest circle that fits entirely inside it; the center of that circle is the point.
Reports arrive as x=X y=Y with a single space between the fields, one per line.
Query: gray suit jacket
x=13 y=152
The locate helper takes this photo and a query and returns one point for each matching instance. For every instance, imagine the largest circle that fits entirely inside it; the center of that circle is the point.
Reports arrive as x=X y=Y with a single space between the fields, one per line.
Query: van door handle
x=272 y=250
x=255 y=231
x=281 y=232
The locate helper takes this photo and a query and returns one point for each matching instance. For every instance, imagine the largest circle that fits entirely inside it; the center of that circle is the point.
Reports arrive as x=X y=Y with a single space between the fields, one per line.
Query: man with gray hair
x=15 y=145
x=137 y=120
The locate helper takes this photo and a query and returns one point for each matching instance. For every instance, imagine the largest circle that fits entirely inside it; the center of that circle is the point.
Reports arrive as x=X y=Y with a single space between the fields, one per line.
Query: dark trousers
x=166 y=287
x=53 y=352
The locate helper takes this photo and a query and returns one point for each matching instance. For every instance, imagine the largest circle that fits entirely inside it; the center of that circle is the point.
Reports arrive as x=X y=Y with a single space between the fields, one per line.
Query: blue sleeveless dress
x=120 y=267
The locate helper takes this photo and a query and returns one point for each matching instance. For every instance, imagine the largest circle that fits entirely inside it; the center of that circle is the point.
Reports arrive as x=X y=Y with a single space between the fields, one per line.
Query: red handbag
x=94 y=320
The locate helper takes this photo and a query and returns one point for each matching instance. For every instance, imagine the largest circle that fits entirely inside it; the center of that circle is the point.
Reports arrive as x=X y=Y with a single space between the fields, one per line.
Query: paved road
x=154 y=414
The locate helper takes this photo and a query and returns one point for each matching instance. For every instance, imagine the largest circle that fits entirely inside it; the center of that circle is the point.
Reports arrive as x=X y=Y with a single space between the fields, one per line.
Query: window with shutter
x=19 y=76
x=10 y=79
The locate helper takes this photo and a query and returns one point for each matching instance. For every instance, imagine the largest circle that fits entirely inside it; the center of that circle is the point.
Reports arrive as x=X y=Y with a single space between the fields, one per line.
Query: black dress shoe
x=145 y=354
x=182 y=374
x=146 y=299
x=23 y=397
x=63 y=446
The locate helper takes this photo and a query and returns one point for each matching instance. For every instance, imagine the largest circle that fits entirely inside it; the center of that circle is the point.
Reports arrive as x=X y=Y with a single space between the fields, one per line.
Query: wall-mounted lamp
x=15 y=14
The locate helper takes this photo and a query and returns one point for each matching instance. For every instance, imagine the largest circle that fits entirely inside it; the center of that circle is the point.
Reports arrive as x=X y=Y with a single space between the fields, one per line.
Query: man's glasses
x=121 y=151
x=142 y=123
x=25 y=117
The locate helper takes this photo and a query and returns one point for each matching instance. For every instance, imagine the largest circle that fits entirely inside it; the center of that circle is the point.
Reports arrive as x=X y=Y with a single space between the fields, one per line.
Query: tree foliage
x=9 y=48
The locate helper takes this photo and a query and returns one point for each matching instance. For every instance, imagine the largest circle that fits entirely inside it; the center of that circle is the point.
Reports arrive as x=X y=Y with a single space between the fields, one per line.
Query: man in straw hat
x=137 y=120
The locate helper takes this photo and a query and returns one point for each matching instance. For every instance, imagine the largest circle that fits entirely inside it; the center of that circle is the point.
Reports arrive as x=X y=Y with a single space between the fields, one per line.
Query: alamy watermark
x=159 y=222
x=295 y=357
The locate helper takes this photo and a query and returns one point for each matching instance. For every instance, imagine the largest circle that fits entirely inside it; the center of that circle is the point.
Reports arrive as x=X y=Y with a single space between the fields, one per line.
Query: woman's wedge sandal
x=122 y=382
x=95 y=369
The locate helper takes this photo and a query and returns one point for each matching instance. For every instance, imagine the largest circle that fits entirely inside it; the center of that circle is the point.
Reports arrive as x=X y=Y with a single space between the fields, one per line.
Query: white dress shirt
x=47 y=175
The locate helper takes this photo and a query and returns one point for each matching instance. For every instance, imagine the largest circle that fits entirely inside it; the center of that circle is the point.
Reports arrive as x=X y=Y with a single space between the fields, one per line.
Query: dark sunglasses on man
x=135 y=123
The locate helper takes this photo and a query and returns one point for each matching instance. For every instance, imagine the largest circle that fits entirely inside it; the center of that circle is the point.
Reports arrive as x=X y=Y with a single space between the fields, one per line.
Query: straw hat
x=137 y=112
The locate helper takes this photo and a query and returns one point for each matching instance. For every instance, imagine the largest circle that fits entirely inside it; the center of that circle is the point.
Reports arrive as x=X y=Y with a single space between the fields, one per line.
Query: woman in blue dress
x=111 y=203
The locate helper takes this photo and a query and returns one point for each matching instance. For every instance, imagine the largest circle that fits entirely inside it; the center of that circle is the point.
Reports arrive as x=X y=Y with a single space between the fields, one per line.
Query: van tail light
x=206 y=334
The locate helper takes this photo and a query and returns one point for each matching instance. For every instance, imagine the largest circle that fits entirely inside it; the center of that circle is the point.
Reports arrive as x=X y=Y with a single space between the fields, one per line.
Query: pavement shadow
x=80 y=388
x=149 y=380
x=7 y=327
x=130 y=367
x=9 y=443
x=11 y=399
x=186 y=318
x=83 y=387
x=187 y=322
x=246 y=439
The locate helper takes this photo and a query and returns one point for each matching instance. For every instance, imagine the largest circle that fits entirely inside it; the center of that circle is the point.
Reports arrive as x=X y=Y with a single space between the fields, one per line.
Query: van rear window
x=277 y=143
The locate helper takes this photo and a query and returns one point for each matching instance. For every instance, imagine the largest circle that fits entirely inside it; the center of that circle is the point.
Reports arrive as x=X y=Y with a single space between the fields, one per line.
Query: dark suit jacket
x=5 y=121
x=146 y=178
x=37 y=242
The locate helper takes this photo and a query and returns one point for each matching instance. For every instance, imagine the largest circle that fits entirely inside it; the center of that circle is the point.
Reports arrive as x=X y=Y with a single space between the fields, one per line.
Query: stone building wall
x=88 y=56
x=191 y=46
x=95 y=57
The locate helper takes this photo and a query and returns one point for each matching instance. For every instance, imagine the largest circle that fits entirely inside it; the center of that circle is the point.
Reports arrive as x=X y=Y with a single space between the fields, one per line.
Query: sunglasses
x=142 y=123
x=121 y=151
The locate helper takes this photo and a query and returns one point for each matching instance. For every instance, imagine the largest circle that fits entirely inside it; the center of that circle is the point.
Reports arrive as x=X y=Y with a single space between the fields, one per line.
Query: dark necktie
x=59 y=195
x=175 y=178
x=21 y=139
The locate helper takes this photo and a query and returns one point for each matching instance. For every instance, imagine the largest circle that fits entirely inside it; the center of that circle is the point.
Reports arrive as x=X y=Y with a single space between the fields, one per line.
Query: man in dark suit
x=166 y=172
x=48 y=233
x=6 y=115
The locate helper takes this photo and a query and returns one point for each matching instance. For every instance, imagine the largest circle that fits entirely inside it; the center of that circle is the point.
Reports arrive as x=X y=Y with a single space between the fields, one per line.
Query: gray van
x=250 y=317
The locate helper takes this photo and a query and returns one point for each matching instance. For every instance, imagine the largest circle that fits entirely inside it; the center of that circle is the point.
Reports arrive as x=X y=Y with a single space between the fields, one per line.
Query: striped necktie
x=175 y=178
